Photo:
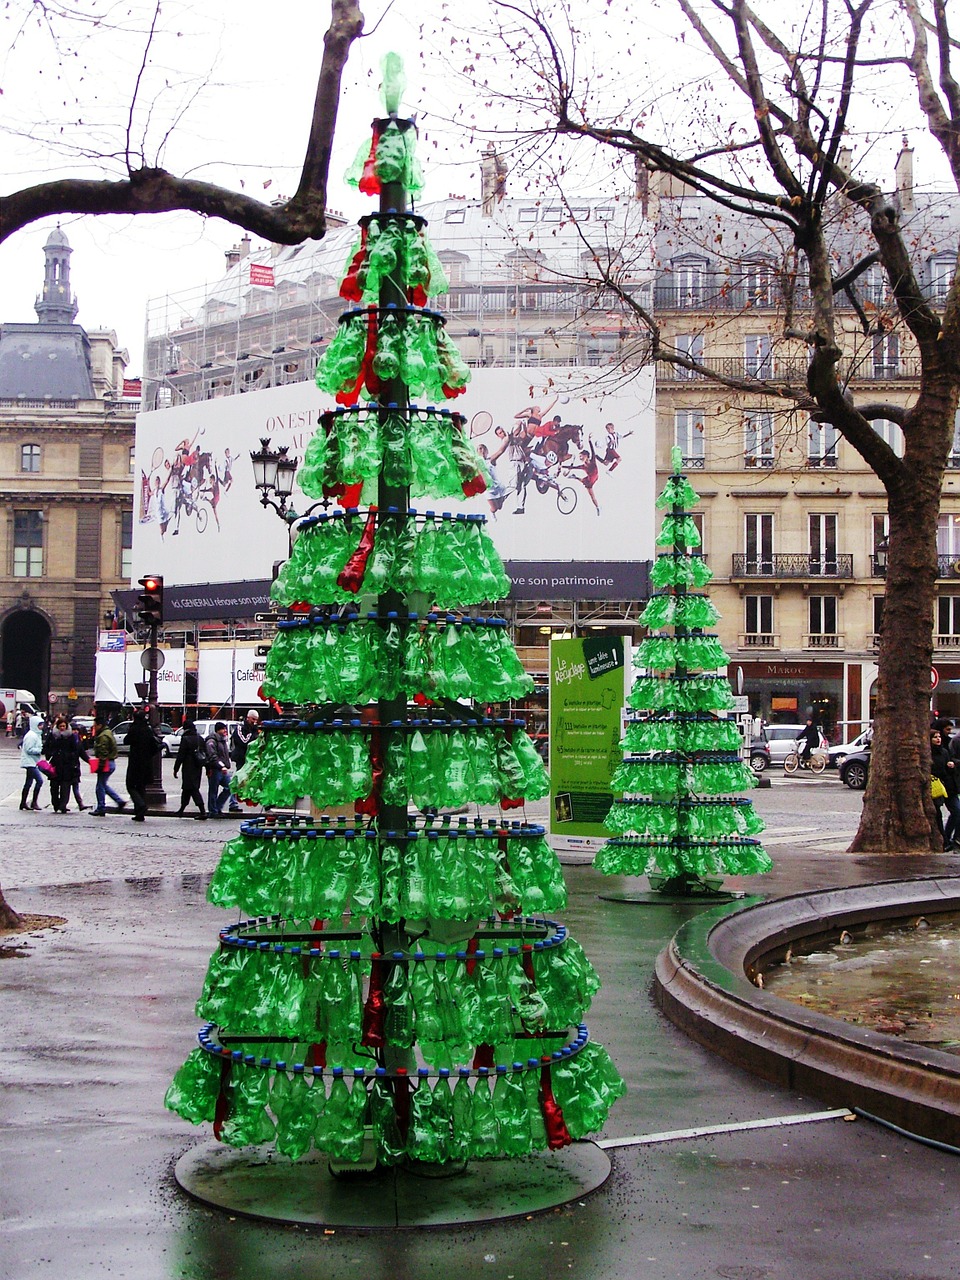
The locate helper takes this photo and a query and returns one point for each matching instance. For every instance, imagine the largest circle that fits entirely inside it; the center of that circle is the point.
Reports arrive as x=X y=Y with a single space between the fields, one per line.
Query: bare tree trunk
x=8 y=917
x=898 y=812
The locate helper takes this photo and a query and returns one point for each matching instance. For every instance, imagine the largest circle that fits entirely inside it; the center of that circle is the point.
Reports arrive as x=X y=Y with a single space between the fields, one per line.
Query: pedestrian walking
x=144 y=746
x=243 y=735
x=62 y=748
x=105 y=757
x=943 y=770
x=31 y=749
x=190 y=763
x=218 y=770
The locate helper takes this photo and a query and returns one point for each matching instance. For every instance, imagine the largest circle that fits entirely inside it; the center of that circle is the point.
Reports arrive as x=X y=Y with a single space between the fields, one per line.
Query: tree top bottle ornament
x=680 y=820
x=399 y=989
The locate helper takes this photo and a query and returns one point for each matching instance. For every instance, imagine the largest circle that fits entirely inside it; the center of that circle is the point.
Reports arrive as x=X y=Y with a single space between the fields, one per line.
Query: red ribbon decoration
x=374 y=1009
x=558 y=1135
x=350 y=287
x=483 y=1057
x=511 y=804
x=527 y=960
x=350 y=576
x=472 y=487
x=350 y=395
x=316 y=1055
x=369 y=183
x=472 y=946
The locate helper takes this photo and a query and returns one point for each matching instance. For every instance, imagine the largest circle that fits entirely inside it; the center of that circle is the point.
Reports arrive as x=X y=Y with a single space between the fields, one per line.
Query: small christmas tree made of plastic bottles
x=400 y=975
x=680 y=820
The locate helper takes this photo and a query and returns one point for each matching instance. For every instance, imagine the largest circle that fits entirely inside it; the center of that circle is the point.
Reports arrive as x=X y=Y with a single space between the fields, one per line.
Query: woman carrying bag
x=31 y=750
x=190 y=761
x=104 y=763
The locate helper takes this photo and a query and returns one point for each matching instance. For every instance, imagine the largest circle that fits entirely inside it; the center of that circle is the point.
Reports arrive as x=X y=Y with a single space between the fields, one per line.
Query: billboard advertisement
x=229 y=676
x=570 y=503
x=118 y=674
x=589 y=681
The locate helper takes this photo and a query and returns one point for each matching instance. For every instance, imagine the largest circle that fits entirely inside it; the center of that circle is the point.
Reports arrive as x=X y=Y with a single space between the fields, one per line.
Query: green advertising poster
x=588 y=687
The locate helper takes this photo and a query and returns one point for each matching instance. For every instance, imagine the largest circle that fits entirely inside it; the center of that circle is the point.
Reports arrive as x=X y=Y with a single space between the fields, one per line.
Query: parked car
x=855 y=769
x=83 y=726
x=836 y=755
x=204 y=729
x=776 y=742
x=166 y=731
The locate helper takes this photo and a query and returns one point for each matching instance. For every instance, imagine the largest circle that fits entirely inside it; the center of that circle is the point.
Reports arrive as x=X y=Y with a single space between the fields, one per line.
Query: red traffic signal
x=150 y=601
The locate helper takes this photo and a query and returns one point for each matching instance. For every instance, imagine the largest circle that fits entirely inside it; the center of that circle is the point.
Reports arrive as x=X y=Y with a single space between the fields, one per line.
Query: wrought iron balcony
x=948 y=566
x=792 y=566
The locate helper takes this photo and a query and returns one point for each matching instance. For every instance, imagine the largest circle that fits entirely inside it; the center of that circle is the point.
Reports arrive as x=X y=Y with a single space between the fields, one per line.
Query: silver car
x=781 y=740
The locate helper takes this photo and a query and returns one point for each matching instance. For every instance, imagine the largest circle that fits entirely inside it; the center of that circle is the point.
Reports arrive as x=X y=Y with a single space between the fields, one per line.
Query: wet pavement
x=99 y=1013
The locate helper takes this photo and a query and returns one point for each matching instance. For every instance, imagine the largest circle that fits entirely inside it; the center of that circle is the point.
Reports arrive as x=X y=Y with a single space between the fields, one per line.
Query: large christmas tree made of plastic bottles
x=399 y=972
x=680 y=820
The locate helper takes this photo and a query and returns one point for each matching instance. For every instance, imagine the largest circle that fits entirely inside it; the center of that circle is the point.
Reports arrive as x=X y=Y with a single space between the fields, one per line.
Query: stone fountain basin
x=705 y=983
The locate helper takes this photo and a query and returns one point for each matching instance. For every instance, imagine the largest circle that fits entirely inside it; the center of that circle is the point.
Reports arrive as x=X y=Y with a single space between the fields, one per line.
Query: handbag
x=937 y=789
x=46 y=768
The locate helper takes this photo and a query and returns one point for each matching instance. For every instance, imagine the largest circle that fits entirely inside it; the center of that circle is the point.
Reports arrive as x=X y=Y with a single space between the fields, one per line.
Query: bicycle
x=816 y=763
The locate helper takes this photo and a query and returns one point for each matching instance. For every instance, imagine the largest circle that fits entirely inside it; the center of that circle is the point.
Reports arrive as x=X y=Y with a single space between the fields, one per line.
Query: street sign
x=741 y=704
x=152 y=659
x=934 y=678
x=53 y=697
x=72 y=696
x=267 y=617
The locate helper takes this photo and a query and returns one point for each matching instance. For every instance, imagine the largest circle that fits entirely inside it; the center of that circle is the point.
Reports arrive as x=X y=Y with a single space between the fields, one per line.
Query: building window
x=758 y=281
x=758 y=541
x=758 y=616
x=603 y=214
x=553 y=214
x=823 y=440
x=948 y=536
x=822 y=531
x=758 y=440
x=27 y=544
x=953 y=458
x=126 y=545
x=528 y=215
x=689 y=437
x=886 y=356
x=30 y=457
x=940 y=276
x=880 y=543
x=890 y=433
x=455 y=215
x=758 y=355
x=823 y=615
x=690 y=345
x=688 y=282
x=878 y=615
x=948 y=616
x=132 y=462
x=873 y=285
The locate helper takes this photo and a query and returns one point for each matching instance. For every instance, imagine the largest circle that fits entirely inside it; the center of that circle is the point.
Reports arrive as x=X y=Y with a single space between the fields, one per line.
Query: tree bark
x=8 y=917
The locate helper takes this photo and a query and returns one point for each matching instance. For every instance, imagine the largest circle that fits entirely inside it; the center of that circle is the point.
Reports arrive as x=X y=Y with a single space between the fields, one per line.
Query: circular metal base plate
x=653 y=898
x=262 y=1184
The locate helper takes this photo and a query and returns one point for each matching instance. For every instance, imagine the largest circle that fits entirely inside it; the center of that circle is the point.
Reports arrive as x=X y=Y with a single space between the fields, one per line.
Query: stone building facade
x=66 y=509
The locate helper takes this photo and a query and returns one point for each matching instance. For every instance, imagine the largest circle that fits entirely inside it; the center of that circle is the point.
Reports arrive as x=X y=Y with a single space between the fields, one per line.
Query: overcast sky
x=239 y=77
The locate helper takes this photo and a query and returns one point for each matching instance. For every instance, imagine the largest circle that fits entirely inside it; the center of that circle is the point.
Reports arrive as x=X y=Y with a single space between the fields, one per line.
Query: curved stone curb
x=702 y=983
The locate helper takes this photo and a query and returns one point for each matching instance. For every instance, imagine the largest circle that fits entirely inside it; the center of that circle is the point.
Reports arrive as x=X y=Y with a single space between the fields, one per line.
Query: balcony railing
x=792 y=566
x=759 y=640
x=948 y=566
x=822 y=460
x=791 y=369
x=823 y=640
x=947 y=642
x=694 y=462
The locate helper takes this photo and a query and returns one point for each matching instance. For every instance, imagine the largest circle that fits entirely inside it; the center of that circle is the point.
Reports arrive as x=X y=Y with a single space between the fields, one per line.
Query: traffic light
x=150 y=601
